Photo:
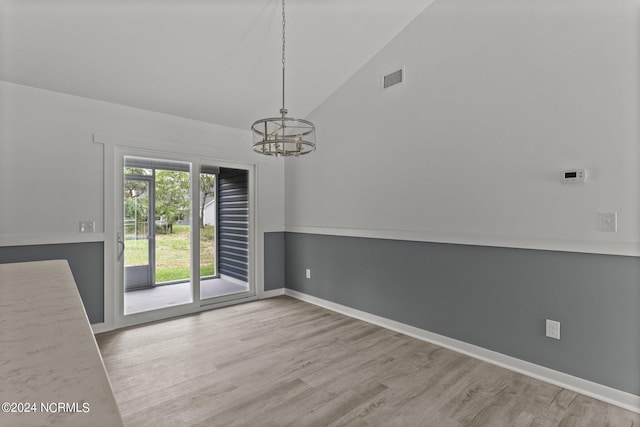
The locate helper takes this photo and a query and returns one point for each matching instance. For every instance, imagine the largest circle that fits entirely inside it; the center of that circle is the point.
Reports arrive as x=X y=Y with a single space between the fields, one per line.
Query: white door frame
x=115 y=219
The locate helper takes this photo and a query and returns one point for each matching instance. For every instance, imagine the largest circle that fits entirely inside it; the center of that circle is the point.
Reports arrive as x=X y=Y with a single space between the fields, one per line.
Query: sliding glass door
x=186 y=235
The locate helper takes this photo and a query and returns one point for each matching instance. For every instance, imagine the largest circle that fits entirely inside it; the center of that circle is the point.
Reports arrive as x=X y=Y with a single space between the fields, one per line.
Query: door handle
x=120 y=246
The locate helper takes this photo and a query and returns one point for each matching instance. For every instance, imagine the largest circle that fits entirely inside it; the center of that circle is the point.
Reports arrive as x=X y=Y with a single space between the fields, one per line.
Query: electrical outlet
x=308 y=273
x=553 y=329
x=87 y=226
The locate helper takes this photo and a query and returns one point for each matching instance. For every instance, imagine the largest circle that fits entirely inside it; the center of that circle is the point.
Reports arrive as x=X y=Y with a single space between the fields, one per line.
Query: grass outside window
x=172 y=253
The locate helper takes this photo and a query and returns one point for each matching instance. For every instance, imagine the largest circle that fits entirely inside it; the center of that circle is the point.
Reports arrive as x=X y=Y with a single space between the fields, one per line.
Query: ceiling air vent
x=393 y=78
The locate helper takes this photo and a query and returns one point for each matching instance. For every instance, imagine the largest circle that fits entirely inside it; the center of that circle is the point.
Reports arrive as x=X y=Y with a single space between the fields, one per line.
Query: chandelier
x=283 y=136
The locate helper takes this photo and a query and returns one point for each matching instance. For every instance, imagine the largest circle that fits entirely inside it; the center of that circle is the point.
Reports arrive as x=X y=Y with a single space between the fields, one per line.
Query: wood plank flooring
x=283 y=362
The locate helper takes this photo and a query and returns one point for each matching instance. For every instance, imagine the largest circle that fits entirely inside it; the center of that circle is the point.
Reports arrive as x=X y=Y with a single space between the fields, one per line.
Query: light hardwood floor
x=283 y=362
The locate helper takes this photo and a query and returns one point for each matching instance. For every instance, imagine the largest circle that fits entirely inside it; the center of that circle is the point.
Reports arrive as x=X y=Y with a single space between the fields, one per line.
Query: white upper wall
x=500 y=97
x=51 y=173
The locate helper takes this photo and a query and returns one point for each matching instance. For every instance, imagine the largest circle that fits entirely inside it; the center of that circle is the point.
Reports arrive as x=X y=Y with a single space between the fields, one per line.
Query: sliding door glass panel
x=172 y=227
x=157 y=207
x=232 y=236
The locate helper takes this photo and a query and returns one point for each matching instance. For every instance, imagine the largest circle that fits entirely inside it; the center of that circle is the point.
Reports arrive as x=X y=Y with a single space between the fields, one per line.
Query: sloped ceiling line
x=213 y=61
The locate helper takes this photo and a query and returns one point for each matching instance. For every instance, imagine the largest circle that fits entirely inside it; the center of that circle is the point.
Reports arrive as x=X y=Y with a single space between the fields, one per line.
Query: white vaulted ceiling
x=210 y=60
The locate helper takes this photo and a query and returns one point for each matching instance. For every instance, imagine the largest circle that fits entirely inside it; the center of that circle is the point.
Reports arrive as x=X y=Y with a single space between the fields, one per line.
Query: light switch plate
x=609 y=222
x=87 y=226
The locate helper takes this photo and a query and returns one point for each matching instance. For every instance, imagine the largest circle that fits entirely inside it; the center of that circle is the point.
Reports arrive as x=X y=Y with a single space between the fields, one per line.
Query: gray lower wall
x=496 y=298
x=87 y=265
x=274 y=260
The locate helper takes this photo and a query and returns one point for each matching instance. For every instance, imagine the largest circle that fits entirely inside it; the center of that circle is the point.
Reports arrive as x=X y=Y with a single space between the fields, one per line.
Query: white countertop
x=48 y=354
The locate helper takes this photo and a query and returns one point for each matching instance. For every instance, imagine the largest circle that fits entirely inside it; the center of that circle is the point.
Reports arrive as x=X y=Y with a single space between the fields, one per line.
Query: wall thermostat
x=573 y=175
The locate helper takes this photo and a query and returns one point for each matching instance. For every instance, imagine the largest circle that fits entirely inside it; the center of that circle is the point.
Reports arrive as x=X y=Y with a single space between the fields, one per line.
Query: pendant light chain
x=283 y=33
x=283 y=111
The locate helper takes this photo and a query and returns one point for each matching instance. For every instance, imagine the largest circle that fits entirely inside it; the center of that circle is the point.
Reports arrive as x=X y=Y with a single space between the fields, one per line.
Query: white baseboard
x=98 y=328
x=607 y=394
x=272 y=293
